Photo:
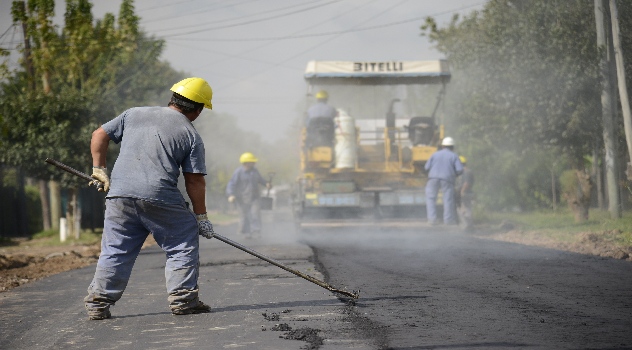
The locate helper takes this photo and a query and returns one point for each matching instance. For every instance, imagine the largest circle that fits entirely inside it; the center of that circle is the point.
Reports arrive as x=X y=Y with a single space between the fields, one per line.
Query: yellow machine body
x=384 y=177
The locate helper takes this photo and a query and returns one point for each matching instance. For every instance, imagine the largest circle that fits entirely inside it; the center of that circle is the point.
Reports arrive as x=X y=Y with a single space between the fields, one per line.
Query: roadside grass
x=50 y=238
x=561 y=226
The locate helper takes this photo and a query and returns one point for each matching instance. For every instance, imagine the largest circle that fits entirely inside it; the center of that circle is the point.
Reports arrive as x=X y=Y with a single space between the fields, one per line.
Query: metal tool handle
x=325 y=285
x=62 y=166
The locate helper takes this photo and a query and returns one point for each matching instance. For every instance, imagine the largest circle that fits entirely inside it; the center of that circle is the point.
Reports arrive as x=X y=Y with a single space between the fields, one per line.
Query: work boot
x=96 y=314
x=200 y=308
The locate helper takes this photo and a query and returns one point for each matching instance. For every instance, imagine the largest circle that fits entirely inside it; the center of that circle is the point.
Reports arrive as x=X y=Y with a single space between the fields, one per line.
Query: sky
x=254 y=52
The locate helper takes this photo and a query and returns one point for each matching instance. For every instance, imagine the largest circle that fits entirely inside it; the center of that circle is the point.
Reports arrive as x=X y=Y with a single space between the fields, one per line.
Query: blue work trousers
x=449 y=206
x=128 y=221
x=249 y=216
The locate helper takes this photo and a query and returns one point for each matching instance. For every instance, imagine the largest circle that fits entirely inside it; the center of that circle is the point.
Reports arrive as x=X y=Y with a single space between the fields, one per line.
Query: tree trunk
x=579 y=199
x=43 y=189
x=597 y=176
x=553 y=189
x=76 y=213
x=607 y=107
x=22 y=214
x=71 y=213
x=623 y=89
x=55 y=204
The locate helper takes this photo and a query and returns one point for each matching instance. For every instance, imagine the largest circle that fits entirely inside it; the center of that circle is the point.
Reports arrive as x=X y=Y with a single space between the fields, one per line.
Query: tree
x=82 y=76
x=526 y=83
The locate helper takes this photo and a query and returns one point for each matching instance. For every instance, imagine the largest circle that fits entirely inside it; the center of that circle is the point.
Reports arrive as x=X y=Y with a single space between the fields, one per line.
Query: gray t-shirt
x=155 y=143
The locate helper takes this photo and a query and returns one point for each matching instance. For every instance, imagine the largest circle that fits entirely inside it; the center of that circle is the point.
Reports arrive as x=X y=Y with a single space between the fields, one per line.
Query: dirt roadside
x=602 y=244
x=26 y=261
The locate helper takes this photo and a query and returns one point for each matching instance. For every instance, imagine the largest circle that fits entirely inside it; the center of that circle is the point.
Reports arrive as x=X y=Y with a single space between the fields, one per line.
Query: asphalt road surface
x=438 y=288
x=423 y=288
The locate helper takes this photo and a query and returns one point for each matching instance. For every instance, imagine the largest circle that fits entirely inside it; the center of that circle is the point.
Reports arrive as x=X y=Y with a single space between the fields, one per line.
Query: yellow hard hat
x=195 y=89
x=248 y=158
x=463 y=159
x=321 y=95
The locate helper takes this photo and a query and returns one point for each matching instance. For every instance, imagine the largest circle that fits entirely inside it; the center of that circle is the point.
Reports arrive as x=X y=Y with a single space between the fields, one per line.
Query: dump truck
x=389 y=121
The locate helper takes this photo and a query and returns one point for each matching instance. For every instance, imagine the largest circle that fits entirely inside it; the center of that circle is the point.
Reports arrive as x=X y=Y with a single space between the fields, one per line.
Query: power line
x=196 y=12
x=6 y=31
x=227 y=55
x=289 y=37
x=166 y=5
x=239 y=55
x=252 y=21
x=315 y=46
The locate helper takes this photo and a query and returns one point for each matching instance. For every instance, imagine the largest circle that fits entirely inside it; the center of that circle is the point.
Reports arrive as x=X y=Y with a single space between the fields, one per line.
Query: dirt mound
x=26 y=262
x=602 y=244
x=17 y=269
x=594 y=243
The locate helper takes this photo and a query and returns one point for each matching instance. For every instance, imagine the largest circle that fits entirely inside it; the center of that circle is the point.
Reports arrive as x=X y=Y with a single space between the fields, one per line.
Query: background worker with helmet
x=156 y=142
x=243 y=189
x=320 y=122
x=464 y=185
x=443 y=167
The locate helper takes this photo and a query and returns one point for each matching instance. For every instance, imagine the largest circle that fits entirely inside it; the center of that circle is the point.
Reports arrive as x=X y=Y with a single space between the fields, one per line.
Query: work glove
x=100 y=174
x=205 y=228
x=231 y=199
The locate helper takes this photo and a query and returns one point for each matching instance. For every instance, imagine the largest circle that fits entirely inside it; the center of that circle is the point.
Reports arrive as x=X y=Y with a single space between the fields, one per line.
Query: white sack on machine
x=345 y=140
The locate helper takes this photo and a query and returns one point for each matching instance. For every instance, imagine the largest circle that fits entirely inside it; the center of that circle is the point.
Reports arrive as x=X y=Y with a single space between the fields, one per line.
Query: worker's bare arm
x=196 y=189
x=99 y=147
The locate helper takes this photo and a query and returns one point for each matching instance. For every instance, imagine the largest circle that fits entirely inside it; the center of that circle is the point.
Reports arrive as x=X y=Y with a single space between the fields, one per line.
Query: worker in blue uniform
x=443 y=167
x=243 y=189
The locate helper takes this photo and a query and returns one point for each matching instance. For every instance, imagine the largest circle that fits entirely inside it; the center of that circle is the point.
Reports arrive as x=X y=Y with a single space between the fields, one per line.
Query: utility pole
x=623 y=89
x=610 y=156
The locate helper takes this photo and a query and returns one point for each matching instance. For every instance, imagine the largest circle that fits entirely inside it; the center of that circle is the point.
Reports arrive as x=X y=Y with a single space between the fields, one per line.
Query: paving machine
x=389 y=122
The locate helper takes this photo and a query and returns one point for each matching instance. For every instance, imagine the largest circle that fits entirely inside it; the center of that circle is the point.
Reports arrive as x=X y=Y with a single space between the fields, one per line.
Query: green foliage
x=568 y=181
x=51 y=238
x=83 y=75
x=4 y=67
x=525 y=95
x=46 y=126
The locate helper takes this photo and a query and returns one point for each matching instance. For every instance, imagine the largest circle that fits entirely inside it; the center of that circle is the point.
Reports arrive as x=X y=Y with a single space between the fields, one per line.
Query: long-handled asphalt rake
x=354 y=295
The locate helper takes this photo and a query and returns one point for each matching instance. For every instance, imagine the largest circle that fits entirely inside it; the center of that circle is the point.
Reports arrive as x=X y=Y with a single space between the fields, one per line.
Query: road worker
x=142 y=197
x=443 y=167
x=243 y=189
x=320 y=122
